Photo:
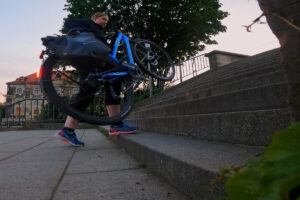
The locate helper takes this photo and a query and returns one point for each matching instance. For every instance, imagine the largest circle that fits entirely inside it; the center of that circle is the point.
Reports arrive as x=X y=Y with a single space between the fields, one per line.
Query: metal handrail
x=190 y=68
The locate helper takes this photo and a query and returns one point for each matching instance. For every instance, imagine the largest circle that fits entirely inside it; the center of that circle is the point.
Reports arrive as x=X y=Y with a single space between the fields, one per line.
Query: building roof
x=30 y=79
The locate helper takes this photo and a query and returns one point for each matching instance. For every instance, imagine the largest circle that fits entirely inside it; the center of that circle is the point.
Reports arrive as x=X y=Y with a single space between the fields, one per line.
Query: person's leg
x=71 y=122
x=113 y=108
x=68 y=135
x=83 y=99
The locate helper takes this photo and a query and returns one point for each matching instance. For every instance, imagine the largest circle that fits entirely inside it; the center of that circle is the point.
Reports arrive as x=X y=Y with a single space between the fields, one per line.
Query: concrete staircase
x=215 y=120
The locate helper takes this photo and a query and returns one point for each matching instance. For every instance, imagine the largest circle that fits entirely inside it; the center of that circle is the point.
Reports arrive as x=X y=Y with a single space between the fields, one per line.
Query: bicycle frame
x=125 y=39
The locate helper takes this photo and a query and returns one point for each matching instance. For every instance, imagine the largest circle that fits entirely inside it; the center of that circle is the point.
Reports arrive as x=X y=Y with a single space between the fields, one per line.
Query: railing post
x=38 y=109
x=180 y=72
x=13 y=116
x=53 y=110
x=6 y=114
x=194 y=67
x=31 y=110
x=0 y=120
x=149 y=68
x=150 y=86
x=43 y=109
x=20 y=109
x=25 y=113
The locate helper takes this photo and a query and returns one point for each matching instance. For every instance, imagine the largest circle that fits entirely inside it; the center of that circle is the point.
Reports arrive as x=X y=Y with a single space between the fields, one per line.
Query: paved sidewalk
x=34 y=165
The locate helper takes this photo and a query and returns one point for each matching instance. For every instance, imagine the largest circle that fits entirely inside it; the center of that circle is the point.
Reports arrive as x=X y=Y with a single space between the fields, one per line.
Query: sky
x=24 y=22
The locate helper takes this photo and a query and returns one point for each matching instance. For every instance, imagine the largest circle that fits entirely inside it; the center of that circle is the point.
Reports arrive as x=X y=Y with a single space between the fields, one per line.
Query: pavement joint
x=64 y=171
x=28 y=149
x=104 y=171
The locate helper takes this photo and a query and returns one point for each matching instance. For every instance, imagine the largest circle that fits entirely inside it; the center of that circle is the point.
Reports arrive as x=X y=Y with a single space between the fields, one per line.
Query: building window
x=36 y=91
x=57 y=76
x=18 y=110
x=19 y=91
x=75 y=90
x=58 y=90
x=36 y=111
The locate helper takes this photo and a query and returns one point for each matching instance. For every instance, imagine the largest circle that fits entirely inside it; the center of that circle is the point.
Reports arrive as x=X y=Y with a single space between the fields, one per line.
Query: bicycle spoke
x=68 y=77
x=142 y=51
x=143 y=58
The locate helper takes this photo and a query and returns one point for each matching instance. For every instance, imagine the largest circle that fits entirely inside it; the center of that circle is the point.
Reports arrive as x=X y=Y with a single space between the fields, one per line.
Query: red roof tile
x=30 y=79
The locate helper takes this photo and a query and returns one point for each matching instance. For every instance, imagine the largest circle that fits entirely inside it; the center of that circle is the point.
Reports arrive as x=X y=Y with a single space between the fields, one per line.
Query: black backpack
x=81 y=44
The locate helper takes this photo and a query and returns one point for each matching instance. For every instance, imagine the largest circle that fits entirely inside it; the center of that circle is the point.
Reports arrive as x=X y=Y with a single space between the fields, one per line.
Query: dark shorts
x=86 y=93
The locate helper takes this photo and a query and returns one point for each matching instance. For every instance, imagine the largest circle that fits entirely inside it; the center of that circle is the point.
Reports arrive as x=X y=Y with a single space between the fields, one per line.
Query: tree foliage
x=183 y=27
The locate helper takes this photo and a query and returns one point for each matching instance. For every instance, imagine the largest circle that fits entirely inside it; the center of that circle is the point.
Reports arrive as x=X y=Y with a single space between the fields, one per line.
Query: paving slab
x=101 y=160
x=30 y=180
x=34 y=165
x=137 y=184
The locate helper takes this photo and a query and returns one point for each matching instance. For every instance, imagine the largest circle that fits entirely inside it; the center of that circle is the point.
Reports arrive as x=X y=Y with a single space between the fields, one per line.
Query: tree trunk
x=289 y=38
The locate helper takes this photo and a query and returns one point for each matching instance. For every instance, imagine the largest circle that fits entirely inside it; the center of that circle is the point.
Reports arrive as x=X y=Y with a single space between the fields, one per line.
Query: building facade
x=25 y=98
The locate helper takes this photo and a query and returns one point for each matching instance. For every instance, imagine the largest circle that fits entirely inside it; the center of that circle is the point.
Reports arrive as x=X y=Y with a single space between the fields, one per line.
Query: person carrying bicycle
x=67 y=134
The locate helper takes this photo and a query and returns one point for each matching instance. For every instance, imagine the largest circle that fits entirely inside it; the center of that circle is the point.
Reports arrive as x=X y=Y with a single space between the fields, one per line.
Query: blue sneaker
x=69 y=138
x=123 y=128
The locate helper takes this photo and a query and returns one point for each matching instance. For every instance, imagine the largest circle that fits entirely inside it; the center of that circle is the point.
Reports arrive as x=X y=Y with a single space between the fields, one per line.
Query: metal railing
x=27 y=111
x=183 y=71
x=190 y=68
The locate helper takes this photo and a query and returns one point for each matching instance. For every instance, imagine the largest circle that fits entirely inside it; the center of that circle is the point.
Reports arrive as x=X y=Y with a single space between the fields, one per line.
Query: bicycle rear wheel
x=83 y=96
x=153 y=59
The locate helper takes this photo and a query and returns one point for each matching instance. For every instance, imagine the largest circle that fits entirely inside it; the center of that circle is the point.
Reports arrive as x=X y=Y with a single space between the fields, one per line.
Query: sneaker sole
x=113 y=135
x=66 y=141
x=117 y=132
x=120 y=132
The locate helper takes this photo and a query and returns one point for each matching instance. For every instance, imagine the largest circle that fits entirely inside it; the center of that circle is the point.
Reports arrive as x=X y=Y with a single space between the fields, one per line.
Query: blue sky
x=24 y=22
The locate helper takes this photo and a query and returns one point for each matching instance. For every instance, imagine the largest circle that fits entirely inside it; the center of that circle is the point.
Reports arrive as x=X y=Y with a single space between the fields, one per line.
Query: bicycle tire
x=161 y=66
x=48 y=85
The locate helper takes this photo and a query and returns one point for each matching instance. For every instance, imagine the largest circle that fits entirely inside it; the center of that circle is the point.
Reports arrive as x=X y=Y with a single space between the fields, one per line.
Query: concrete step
x=242 y=127
x=189 y=165
x=234 y=68
x=268 y=97
x=224 y=79
x=200 y=81
x=207 y=90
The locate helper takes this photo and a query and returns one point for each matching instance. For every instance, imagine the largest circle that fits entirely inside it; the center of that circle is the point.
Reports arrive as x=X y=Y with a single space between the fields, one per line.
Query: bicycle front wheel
x=153 y=59
x=82 y=96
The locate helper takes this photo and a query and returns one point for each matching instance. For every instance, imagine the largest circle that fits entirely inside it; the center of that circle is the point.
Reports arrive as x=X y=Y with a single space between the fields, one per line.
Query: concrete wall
x=221 y=58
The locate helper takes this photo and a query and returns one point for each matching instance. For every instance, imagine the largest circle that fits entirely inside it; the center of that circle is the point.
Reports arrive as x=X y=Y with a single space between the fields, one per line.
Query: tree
x=183 y=27
x=283 y=17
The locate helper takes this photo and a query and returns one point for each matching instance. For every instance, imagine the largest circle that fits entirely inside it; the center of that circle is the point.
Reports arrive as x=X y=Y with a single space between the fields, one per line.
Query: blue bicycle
x=70 y=84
